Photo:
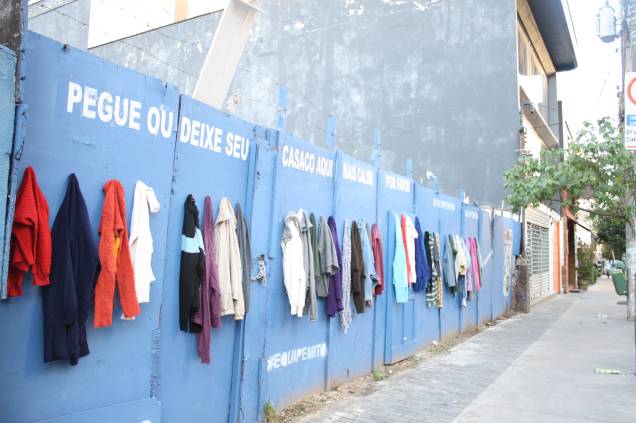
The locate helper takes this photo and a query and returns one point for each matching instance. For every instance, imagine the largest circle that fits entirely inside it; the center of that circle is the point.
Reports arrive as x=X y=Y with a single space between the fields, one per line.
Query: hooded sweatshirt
x=308 y=263
x=378 y=259
x=191 y=267
x=208 y=315
x=450 y=273
x=358 y=270
x=228 y=260
x=294 y=276
x=141 y=248
x=245 y=249
x=67 y=300
x=421 y=263
x=30 y=237
x=328 y=259
x=334 y=298
x=114 y=258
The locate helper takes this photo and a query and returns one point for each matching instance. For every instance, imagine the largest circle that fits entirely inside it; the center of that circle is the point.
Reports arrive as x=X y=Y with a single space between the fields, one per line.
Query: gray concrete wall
x=438 y=77
x=174 y=53
x=63 y=20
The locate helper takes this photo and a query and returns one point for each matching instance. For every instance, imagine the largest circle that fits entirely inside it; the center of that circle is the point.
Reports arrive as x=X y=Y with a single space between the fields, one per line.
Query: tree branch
x=599 y=213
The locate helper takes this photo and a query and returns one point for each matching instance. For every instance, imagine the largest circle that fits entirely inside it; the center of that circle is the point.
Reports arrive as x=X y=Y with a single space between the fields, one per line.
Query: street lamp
x=606 y=28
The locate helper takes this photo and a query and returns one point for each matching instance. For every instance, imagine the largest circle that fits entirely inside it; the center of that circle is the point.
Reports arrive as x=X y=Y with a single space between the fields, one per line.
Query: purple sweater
x=334 y=297
x=209 y=314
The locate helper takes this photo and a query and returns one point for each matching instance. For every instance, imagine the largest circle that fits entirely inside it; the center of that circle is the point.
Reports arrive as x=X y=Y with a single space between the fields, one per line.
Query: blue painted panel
x=395 y=196
x=7 y=114
x=515 y=226
x=304 y=178
x=145 y=410
x=58 y=142
x=218 y=166
x=428 y=323
x=488 y=282
x=254 y=374
x=470 y=230
x=450 y=224
x=355 y=200
x=499 y=300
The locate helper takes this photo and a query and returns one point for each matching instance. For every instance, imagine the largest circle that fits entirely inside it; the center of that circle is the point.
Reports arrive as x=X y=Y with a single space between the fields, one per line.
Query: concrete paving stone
x=530 y=368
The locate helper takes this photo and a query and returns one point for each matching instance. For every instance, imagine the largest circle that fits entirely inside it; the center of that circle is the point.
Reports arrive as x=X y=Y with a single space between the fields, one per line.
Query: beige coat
x=228 y=260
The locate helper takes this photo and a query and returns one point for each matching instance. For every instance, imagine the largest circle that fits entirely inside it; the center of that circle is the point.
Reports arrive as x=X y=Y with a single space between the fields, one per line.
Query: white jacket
x=411 y=235
x=294 y=275
x=140 y=240
x=228 y=260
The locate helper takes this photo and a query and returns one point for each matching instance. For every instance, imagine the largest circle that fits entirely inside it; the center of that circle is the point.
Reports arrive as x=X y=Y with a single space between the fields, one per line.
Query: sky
x=590 y=91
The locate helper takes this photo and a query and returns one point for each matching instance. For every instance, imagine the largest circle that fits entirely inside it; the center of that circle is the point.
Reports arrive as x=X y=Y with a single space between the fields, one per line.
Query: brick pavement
x=438 y=390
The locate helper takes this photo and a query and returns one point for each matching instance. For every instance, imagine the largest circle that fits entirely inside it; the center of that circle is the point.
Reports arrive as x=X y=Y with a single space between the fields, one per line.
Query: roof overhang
x=555 y=25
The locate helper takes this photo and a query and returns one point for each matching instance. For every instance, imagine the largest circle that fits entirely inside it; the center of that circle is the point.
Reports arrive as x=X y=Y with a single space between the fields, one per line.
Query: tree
x=611 y=233
x=595 y=167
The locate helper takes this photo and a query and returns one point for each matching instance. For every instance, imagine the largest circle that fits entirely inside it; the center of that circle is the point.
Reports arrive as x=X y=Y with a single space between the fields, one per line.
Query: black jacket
x=67 y=300
x=192 y=266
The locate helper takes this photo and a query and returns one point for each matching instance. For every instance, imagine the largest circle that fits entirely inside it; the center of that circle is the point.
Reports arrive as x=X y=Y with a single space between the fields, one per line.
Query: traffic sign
x=630 y=111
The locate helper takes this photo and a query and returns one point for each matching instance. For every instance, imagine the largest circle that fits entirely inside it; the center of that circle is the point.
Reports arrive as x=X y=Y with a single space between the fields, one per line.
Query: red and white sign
x=630 y=111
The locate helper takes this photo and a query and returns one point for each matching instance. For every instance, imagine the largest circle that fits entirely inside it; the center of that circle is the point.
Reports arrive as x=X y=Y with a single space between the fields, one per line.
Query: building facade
x=443 y=81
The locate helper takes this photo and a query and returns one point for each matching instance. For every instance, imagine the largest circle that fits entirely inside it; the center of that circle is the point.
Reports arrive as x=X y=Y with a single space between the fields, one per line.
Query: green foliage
x=270 y=413
x=610 y=233
x=378 y=375
x=585 y=259
x=595 y=167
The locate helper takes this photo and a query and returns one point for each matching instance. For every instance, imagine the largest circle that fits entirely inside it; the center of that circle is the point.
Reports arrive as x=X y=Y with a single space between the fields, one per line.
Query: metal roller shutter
x=538 y=255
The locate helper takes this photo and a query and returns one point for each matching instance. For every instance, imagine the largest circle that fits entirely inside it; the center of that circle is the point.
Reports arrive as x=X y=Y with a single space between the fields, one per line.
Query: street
x=537 y=367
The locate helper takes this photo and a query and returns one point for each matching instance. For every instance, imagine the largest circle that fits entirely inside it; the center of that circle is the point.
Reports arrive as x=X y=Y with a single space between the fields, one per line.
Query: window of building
x=112 y=20
x=532 y=76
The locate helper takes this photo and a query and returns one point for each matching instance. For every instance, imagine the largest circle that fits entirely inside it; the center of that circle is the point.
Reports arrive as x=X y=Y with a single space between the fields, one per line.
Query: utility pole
x=630 y=236
x=628 y=66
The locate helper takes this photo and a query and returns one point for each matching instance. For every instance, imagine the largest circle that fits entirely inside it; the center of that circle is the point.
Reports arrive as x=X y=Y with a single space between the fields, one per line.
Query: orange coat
x=30 y=237
x=114 y=258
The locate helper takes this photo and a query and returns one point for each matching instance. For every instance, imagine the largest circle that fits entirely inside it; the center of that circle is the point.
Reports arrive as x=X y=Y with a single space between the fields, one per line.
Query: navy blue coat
x=68 y=298
x=422 y=271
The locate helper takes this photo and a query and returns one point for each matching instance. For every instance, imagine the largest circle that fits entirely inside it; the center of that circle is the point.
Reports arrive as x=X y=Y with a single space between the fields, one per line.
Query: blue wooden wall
x=147 y=369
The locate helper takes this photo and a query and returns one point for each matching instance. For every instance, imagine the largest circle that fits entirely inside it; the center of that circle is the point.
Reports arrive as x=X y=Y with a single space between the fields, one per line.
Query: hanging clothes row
x=316 y=265
x=462 y=267
x=418 y=263
x=215 y=269
x=75 y=271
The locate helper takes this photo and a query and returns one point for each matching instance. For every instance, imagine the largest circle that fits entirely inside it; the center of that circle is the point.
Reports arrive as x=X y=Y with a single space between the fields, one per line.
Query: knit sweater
x=114 y=258
x=334 y=296
x=30 y=237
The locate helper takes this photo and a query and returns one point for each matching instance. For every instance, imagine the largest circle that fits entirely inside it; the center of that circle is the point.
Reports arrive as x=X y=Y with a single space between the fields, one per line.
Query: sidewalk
x=537 y=367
